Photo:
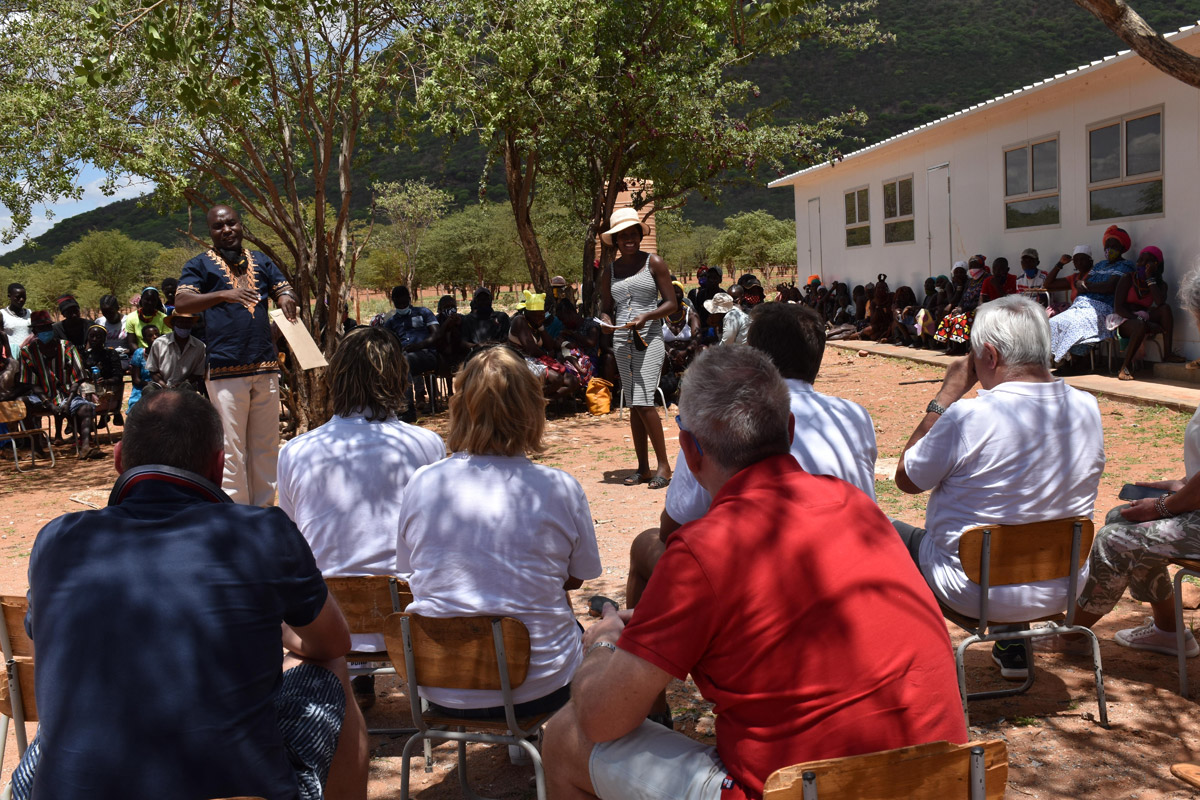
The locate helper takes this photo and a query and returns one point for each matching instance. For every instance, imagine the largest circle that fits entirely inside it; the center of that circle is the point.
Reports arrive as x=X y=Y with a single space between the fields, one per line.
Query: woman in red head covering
x=1084 y=322
x=1140 y=308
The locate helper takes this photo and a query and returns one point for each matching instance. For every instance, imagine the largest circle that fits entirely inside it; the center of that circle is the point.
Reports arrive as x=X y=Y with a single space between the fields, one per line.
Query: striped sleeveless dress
x=639 y=369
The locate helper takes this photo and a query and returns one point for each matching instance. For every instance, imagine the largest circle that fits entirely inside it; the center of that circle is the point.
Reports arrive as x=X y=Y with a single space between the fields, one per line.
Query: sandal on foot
x=1124 y=375
x=659 y=482
x=635 y=479
x=1192 y=364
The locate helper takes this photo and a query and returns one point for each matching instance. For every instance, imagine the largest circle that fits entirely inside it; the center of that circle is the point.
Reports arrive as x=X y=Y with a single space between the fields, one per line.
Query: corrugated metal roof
x=1042 y=84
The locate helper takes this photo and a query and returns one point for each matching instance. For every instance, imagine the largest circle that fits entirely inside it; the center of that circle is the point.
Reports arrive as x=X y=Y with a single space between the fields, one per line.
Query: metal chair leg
x=1180 y=635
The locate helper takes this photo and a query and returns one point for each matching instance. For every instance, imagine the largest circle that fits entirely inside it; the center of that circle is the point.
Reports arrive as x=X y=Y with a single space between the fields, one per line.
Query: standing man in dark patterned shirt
x=230 y=284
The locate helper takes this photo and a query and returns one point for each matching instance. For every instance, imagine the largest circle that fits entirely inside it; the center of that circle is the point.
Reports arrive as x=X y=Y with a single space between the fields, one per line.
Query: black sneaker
x=1010 y=657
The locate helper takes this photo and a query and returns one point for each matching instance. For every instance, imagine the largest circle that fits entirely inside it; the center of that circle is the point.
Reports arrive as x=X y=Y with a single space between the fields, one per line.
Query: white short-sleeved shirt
x=834 y=436
x=1021 y=452
x=17 y=328
x=342 y=485
x=500 y=535
x=1191 y=446
x=736 y=327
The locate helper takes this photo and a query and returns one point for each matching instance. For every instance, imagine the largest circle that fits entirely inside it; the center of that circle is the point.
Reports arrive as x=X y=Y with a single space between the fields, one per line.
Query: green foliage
x=473 y=247
x=410 y=209
x=754 y=241
x=112 y=260
x=44 y=283
x=682 y=245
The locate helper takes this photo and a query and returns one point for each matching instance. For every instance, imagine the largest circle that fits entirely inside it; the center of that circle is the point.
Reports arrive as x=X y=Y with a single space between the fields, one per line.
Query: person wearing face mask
x=1140 y=309
x=1081 y=261
x=1031 y=278
x=1083 y=323
x=955 y=327
x=710 y=287
x=50 y=375
x=149 y=311
x=177 y=359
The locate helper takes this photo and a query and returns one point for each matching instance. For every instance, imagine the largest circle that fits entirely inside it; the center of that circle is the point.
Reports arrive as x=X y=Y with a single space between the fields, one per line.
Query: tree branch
x=1148 y=43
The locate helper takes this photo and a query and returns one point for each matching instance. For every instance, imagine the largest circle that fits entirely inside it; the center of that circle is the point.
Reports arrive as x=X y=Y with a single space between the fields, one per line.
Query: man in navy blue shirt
x=159 y=623
x=230 y=285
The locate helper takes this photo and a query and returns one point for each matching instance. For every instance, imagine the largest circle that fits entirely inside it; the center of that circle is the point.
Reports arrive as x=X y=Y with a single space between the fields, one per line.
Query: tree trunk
x=520 y=175
x=1145 y=41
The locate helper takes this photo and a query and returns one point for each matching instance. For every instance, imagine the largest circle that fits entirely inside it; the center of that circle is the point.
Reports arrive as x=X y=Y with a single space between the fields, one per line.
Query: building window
x=1125 y=174
x=1031 y=184
x=898 y=211
x=858 y=218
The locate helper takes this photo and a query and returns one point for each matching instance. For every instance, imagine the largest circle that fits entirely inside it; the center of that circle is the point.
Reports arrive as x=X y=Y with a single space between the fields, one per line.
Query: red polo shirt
x=799 y=613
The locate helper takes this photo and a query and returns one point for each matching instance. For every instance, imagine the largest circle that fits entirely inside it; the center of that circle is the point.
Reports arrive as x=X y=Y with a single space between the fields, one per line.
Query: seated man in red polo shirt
x=791 y=603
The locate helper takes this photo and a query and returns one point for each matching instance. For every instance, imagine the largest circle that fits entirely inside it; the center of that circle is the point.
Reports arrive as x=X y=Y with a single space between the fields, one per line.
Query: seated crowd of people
x=806 y=615
x=1087 y=302
x=74 y=370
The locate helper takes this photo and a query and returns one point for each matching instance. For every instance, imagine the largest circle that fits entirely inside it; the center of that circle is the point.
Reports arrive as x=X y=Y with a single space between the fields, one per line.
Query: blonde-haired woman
x=489 y=532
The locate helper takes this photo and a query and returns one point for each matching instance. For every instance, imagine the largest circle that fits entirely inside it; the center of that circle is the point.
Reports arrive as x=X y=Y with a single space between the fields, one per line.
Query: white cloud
x=92 y=197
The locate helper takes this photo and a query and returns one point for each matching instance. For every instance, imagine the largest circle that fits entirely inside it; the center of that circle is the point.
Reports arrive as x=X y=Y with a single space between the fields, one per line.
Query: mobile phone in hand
x=1132 y=491
x=596 y=605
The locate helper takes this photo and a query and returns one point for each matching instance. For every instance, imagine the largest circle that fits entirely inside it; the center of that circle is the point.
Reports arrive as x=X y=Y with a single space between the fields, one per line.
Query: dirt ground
x=1057 y=749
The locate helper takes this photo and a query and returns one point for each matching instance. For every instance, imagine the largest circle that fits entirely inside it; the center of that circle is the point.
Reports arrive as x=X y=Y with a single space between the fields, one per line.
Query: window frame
x=1031 y=194
x=909 y=217
x=858 y=223
x=1124 y=178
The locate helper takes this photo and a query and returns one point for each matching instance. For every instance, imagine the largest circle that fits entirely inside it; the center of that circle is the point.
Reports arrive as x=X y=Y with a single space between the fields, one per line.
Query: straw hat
x=621 y=219
x=720 y=303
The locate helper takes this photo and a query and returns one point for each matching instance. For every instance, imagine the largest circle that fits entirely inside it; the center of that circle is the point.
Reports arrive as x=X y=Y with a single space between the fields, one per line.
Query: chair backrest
x=12 y=411
x=458 y=652
x=18 y=647
x=368 y=600
x=1037 y=551
x=934 y=771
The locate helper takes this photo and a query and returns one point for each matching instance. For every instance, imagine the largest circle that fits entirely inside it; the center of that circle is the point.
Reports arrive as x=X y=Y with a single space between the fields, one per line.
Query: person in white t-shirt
x=834 y=437
x=488 y=532
x=342 y=483
x=1028 y=448
x=16 y=319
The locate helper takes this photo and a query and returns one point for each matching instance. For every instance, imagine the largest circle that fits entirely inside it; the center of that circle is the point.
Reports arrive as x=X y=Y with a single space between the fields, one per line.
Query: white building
x=1049 y=166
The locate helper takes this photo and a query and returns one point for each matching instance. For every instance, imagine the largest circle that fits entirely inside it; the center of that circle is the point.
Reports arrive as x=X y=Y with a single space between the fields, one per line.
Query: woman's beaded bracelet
x=1160 y=506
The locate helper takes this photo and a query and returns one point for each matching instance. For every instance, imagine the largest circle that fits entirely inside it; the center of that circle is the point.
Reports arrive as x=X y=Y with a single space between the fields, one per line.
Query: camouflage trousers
x=1135 y=556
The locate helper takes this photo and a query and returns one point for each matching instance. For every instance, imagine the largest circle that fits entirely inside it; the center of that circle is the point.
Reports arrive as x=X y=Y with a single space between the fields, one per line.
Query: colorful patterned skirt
x=955 y=327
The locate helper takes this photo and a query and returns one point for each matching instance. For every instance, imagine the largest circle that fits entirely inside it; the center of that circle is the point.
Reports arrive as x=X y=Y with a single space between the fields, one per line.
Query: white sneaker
x=1149 y=637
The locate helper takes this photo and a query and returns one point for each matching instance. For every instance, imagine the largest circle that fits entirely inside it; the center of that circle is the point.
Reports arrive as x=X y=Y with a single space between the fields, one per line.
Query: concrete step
x=1180 y=390
x=1176 y=372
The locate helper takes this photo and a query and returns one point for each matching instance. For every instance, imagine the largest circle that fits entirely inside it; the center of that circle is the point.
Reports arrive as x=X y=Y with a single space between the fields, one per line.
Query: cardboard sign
x=307 y=354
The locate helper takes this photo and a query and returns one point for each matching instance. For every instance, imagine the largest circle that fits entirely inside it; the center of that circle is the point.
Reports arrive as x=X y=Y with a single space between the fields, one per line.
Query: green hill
x=947 y=55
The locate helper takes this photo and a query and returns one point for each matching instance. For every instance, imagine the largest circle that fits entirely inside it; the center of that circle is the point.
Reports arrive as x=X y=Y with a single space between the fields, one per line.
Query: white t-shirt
x=17 y=328
x=1036 y=282
x=834 y=436
x=1021 y=452
x=342 y=485
x=499 y=535
x=1191 y=446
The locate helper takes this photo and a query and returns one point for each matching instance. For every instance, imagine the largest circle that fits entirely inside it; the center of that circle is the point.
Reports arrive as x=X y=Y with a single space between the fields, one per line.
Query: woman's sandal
x=1192 y=364
x=635 y=479
x=659 y=482
x=1124 y=375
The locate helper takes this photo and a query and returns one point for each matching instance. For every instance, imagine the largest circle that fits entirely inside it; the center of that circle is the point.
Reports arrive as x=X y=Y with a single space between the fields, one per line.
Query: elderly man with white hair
x=791 y=603
x=1027 y=448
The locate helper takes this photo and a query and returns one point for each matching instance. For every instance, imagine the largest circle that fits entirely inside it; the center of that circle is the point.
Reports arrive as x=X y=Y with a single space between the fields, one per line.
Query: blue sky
x=90 y=179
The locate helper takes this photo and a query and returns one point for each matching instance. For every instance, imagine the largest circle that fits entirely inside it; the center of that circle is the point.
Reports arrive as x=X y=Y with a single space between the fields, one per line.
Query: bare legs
x=644 y=554
x=644 y=424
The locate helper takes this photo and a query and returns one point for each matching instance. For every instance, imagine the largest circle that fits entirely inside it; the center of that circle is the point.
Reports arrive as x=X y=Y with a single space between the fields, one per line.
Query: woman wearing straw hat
x=629 y=293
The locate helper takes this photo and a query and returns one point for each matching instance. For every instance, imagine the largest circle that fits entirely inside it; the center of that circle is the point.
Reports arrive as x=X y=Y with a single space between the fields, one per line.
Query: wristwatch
x=935 y=407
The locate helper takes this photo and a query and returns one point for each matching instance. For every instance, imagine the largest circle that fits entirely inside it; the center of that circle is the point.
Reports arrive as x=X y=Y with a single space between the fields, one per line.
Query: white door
x=937 y=211
x=814 y=239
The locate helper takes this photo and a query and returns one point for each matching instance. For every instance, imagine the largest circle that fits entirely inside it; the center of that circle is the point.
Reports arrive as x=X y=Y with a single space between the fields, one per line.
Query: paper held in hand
x=307 y=354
